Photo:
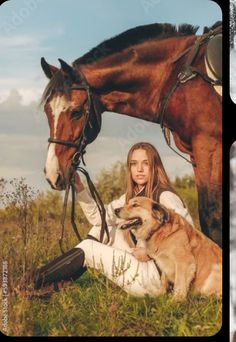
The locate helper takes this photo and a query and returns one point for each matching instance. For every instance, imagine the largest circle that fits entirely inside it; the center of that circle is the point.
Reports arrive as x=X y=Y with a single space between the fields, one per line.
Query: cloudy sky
x=30 y=29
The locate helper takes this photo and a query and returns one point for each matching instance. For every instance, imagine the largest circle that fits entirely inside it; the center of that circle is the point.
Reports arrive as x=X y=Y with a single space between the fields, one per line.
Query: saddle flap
x=214 y=56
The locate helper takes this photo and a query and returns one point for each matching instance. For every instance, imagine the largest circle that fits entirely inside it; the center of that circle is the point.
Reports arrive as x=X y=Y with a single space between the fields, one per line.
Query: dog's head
x=142 y=214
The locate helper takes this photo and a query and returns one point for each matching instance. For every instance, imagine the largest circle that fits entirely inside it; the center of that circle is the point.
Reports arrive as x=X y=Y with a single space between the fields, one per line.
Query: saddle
x=213 y=56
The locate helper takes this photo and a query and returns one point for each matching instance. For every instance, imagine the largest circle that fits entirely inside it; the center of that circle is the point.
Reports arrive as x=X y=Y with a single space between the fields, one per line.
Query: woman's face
x=139 y=167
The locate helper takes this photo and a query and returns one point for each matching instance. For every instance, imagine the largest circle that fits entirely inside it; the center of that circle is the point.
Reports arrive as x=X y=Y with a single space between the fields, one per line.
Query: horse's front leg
x=207 y=154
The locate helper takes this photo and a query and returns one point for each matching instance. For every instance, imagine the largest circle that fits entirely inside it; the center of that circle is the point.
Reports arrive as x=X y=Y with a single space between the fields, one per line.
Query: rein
x=95 y=196
x=68 y=186
x=90 y=131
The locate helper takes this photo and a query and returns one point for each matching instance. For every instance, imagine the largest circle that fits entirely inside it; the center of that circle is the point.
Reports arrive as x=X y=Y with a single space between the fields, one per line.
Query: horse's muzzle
x=60 y=183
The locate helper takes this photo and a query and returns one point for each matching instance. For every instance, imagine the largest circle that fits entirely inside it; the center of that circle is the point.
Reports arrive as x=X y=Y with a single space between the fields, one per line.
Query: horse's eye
x=76 y=114
x=135 y=205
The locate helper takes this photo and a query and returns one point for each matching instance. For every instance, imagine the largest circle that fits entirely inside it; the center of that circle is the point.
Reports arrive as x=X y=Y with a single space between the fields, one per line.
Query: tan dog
x=185 y=256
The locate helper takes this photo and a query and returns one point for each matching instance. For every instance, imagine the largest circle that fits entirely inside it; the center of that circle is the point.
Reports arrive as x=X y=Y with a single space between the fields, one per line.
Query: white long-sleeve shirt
x=167 y=198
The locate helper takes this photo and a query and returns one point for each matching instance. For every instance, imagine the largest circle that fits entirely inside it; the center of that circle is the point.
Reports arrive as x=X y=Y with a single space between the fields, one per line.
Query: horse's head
x=74 y=118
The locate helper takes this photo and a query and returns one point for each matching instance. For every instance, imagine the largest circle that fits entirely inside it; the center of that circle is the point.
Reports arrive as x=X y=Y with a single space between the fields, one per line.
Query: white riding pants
x=117 y=263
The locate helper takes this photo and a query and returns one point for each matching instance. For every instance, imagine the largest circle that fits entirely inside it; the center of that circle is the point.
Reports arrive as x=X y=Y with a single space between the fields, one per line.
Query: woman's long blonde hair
x=157 y=177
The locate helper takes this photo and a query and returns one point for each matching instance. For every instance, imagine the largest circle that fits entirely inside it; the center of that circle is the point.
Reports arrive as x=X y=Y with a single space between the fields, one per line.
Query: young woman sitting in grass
x=122 y=259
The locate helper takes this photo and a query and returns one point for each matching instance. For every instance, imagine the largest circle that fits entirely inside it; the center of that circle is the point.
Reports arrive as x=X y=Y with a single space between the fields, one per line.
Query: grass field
x=93 y=306
x=96 y=307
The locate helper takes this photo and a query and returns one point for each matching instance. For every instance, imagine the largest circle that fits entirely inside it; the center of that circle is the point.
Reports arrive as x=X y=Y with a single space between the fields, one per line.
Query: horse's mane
x=60 y=82
x=134 y=36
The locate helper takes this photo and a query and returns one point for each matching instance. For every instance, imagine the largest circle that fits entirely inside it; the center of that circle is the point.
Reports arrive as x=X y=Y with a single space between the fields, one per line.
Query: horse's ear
x=48 y=69
x=160 y=212
x=68 y=70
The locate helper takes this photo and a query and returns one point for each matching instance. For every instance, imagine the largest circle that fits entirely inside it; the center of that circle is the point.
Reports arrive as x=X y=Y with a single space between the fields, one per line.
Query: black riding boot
x=68 y=266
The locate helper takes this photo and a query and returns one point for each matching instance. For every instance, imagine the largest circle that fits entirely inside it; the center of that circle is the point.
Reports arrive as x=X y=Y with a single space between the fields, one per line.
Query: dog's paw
x=179 y=296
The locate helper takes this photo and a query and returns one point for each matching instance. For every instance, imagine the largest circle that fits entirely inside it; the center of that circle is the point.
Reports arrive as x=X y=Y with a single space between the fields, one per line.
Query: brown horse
x=156 y=73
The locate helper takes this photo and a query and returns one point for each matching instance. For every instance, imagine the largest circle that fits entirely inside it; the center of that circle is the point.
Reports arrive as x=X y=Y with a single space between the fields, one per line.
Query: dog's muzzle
x=132 y=223
x=129 y=223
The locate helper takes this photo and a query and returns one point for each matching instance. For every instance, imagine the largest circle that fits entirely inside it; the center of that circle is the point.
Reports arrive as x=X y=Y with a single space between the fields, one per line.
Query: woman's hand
x=78 y=184
x=140 y=254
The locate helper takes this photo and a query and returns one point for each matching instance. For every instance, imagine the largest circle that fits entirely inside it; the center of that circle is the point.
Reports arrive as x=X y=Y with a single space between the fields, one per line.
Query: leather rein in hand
x=90 y=131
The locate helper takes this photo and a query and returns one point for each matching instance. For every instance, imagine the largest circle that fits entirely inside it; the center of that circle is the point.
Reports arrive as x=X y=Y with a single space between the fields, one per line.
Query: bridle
x=81 y=143
x=91 y=128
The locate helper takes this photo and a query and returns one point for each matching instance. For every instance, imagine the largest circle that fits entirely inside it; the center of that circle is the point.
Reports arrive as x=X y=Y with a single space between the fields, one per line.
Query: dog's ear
x=160 y=213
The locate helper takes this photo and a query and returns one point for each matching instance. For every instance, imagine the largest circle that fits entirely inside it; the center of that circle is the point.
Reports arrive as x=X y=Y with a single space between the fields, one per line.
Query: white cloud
x=29 y=84
x=17 y=118
x=13 y=82
x=17 y=41
x=29 y=89
x=29 y=95
x=32 y=40
x=20 y=63
x=22 y=45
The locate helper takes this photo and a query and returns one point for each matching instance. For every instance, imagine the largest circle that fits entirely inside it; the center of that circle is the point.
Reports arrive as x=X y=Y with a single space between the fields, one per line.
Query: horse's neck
x=130 y=83
x=120 y=86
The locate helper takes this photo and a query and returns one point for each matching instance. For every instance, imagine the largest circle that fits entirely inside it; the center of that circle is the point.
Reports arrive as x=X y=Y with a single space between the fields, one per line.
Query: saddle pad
x=214 y=56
